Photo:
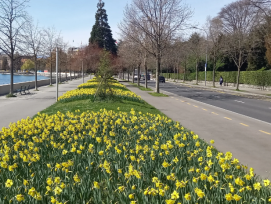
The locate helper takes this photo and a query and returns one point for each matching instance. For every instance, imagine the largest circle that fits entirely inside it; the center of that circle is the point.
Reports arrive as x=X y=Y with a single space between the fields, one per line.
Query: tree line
x=154 y=37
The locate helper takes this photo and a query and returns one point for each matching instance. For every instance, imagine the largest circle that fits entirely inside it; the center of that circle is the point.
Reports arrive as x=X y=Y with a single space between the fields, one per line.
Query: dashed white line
x=239 y=101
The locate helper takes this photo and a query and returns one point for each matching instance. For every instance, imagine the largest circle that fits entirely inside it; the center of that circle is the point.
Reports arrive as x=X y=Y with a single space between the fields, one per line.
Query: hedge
x=258 y=78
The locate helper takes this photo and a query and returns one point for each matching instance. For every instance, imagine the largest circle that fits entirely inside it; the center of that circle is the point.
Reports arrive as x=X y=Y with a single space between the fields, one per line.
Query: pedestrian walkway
x=15 y=109
x=230 y=89
x=248 y=139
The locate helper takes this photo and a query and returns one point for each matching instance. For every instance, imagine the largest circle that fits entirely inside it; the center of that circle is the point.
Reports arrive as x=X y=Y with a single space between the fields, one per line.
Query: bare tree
x=159 y=20
x=131 y=55
x=49 y=40
x=238 y=19
x=215 y=35
x=33 y=44
x=13 y=17
x=195 y=44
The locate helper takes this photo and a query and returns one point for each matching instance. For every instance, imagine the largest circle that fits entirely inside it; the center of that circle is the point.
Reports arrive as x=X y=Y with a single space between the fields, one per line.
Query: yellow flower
x=131 y=196
x=76 y=178
x=101 y=153
x=64 y=152
x=257 y=186
x=53 y=200
x=133 y=187
x=170 y=201
x=25 y=182
x=96 y=185
x=49 y=181
x=228 y=197
x=32 y=192
x=187 y=196
x=57 y=190
x=119 y=171
x=212 y=141
x=62 y=185
x=165 y=164
x=266 y=182
x=121 y=188
x=57 y=180
x=19 y=197
x=9 y=183
x=237 y=197
x=174 y=195
x=133 y=202
x=239 y=182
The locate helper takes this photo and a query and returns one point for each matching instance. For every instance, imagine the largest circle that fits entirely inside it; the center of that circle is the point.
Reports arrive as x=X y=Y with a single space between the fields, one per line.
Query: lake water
x=5 y=78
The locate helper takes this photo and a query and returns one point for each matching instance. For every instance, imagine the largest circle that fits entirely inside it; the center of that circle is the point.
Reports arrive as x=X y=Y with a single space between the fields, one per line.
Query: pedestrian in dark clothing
x=221 y=80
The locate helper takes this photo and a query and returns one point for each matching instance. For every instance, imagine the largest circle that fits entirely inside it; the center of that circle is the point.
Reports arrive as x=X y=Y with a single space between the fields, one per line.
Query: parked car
x=143 y=77
x=162 y=79
x=135 y=77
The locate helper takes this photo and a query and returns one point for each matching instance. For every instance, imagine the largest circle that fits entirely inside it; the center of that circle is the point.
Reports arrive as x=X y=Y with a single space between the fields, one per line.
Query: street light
x=206 y=50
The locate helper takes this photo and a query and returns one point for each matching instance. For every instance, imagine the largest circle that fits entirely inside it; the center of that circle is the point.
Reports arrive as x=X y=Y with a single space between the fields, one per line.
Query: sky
x=74 y=18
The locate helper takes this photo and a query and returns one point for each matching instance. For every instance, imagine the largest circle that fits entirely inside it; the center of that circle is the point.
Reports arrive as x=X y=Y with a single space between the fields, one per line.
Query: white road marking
x=239 y=101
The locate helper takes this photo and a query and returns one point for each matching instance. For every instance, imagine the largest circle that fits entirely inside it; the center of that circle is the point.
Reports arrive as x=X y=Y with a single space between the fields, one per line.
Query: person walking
x=221 y=80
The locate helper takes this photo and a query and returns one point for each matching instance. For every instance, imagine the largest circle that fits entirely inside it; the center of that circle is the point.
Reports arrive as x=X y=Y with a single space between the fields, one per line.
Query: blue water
x=5 y=78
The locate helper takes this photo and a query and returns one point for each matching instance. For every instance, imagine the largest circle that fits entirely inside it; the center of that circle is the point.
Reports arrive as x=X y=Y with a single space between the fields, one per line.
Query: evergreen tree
x=101 y=32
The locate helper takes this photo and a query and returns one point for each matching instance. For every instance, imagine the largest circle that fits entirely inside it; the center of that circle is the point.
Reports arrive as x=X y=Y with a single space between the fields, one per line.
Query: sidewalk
x=248 y=139
x=22 y=106
x=243 y=91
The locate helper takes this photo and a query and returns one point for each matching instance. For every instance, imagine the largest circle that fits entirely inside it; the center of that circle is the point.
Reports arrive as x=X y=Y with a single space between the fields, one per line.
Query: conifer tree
x=101 y=33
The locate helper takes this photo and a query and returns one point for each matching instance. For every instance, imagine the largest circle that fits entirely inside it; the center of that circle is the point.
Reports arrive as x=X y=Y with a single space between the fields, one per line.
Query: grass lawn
x=239 y=90
x=87 y=105
x=268 y=94
x=158 y=94
x=140 y=87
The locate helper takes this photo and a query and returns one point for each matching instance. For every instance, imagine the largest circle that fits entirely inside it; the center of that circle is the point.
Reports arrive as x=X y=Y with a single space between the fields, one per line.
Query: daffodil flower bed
x=118 y=157
x=80 y=94
x=92 y=84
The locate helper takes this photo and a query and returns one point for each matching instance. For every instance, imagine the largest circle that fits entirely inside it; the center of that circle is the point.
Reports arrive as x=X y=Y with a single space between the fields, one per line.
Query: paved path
x=246 y=91
x=248 y=139
x=14 y=109
x=252 y=107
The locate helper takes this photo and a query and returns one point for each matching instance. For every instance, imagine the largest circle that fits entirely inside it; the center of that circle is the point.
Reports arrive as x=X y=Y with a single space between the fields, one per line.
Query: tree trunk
x=177 y=74
x=60 y=76
x=238 y=78
x=128 y=76
x=122 y=74
x=214 y=68
x=70 y=73
x=11 y=74
x=146 y=72
x=133 y=75
x=197 y=71
x=157 y=73
x=138 y=73
x=184 y=72
x=51 y=69
x=36 y=73
x=66 y=74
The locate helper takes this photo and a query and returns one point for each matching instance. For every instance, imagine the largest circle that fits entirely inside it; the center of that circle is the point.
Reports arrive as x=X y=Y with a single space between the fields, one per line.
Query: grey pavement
x=244 y=90
x=247 y=138
x=15 y=109
x=251 y=106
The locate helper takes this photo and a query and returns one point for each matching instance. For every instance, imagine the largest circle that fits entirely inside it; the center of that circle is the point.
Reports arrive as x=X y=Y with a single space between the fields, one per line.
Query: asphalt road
x=257 y=109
